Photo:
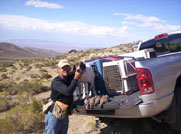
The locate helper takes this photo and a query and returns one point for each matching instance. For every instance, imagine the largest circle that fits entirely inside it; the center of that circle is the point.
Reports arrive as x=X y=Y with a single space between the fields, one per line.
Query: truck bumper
x=156 y=106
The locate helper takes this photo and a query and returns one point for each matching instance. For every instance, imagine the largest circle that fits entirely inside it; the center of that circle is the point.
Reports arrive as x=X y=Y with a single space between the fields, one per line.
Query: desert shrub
x=91 y=124
x=6 y=127
x=4 y=104
x=23 y=119
x=28 y=68
x=36 y=106
x=14 y=67
x=24 y=98
x=12 y=89
x=38 y=65
x=25 y=80
x=11 y=72
x=74 y=59
x=21 y=65
x=43 y=70
x=49 y=63
x=46 y=76
x=34 y=76
x=3 y=86
x=4 y=76
x=60 y=57
x=17 y=78
x=32 y=87
x=3 y=69
x=6 y=64
x=26 y=62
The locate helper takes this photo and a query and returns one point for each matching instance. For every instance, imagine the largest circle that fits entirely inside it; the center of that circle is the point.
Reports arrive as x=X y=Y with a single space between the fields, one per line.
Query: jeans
x=54 y=125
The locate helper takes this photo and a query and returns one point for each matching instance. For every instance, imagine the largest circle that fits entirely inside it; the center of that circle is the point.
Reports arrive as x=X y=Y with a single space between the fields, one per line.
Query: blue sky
x=90 y=23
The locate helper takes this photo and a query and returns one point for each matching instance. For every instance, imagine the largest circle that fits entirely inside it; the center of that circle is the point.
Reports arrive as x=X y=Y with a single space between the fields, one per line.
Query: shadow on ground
x=137 y=126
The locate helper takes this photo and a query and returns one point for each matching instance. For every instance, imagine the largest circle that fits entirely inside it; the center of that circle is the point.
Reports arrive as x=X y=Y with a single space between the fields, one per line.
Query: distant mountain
x=8 y=51
x=50 y=45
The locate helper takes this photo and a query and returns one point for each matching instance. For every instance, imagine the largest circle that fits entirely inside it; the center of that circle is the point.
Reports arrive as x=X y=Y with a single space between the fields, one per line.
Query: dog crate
x=112 y=78
x=120 y=76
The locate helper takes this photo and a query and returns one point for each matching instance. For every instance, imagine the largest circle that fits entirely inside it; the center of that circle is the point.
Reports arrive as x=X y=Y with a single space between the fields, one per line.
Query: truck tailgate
x=116 y=102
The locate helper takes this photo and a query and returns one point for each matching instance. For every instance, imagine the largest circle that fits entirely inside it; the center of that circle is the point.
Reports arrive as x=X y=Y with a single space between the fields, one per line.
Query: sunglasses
x=66 y=68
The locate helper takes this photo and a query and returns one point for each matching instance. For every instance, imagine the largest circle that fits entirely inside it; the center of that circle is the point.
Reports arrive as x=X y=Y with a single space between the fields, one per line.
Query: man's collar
x=62 y=78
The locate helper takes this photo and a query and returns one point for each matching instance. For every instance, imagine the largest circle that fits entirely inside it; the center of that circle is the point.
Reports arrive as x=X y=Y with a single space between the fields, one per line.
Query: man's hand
x=77 y=75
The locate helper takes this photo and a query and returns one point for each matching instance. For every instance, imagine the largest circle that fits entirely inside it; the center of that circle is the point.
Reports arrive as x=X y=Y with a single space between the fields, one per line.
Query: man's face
x=64 y=71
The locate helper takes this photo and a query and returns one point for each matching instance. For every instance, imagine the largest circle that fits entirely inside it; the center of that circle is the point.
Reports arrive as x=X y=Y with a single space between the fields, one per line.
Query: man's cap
x=63 y=63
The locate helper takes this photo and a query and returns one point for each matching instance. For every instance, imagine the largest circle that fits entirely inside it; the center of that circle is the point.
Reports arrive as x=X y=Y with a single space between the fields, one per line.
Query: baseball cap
x=63 y=63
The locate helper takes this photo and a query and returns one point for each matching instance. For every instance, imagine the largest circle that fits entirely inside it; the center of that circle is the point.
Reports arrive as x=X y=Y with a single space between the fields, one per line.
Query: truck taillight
x=145 y=81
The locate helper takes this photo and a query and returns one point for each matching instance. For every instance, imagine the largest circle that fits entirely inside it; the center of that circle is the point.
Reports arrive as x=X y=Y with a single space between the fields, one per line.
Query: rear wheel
x=177 y=97
x=174 y=116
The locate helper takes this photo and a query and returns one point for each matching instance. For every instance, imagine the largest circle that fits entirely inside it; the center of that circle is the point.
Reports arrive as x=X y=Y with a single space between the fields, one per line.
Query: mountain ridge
x=9 y=50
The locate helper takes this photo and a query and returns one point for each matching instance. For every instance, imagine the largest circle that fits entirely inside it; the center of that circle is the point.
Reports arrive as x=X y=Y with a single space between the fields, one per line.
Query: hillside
x=88 y=54
x=11 y=51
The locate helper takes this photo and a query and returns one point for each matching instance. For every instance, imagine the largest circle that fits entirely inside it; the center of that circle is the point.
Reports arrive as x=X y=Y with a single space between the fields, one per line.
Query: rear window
x=169 y=44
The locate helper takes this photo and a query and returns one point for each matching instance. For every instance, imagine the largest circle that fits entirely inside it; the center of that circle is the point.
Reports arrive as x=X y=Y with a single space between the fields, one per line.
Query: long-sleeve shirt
x=62 y=89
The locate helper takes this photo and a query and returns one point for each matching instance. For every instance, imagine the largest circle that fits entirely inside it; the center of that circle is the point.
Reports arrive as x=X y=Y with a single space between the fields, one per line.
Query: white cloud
x=38 y=3
x=71 y=27
x=140 y=17
x=150 y=22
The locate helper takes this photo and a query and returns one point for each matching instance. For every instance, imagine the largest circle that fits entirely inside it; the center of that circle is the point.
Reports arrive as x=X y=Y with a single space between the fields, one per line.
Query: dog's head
x=79 y=67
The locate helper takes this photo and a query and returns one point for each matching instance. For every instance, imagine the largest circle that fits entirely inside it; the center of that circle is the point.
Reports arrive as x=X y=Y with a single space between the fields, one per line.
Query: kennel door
x=112 y=77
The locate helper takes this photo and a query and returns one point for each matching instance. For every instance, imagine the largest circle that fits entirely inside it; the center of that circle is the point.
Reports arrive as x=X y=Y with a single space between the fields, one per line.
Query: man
x=62 y=89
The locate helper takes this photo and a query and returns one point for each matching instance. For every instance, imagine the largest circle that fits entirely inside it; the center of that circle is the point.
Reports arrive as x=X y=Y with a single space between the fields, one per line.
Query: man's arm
x=64 y=89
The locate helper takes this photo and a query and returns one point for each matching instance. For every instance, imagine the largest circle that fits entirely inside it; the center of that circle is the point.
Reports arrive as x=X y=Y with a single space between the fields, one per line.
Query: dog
x=87 y=77
x=79 y=67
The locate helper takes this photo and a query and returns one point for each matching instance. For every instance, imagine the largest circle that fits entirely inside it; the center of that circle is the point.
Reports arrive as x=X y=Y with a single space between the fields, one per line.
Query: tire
x=176 y=125
x=177 y=94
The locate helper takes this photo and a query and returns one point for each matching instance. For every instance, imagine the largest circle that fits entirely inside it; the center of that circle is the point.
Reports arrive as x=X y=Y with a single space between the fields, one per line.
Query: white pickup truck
x=145 y=83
